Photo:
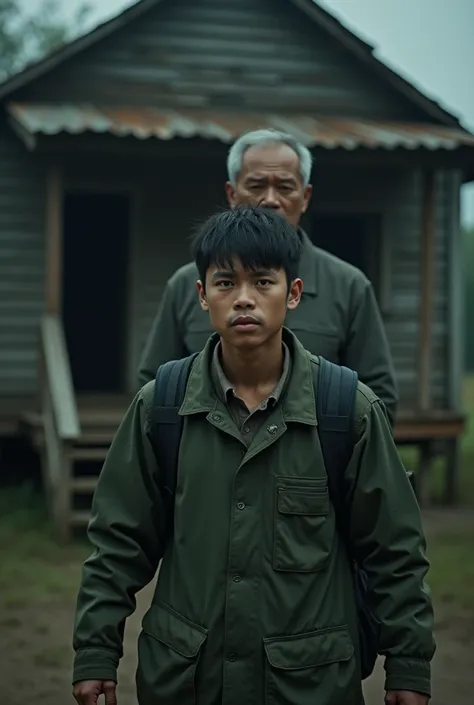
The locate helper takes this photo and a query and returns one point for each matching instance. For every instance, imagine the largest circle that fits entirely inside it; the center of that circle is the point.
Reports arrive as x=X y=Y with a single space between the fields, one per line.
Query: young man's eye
x=224 y=283
x=264 y=282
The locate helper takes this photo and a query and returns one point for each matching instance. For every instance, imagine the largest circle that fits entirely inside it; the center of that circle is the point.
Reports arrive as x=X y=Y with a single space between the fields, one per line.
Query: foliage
x=28 y=37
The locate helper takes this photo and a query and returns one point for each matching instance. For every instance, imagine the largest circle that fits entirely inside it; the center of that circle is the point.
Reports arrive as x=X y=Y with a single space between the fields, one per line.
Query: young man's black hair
x=256 y=237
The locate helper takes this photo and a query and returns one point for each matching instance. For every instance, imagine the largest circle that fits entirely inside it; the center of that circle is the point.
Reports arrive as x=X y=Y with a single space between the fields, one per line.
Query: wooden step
x=80 y=518
x=92 y=436
x=79 y=453
x=84 y=485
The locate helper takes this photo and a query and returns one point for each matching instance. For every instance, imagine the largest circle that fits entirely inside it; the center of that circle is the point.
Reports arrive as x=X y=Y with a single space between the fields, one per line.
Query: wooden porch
x=72 y=437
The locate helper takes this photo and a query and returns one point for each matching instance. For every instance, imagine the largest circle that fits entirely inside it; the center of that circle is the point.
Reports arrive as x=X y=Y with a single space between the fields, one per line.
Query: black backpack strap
x=335 y=390
x=170 y=388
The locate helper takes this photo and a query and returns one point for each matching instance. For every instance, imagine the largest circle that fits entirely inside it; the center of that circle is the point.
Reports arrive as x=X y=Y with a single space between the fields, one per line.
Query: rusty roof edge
x=365 y=52
x=37 y=69
x=312 y=9
x=329 y=132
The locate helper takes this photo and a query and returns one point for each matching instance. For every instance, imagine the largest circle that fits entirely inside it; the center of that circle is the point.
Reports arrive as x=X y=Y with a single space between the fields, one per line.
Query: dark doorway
x=95 y=286
x=354 y=238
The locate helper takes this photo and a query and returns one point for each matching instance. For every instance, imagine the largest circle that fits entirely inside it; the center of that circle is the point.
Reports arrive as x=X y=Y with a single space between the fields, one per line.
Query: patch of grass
x=33 y=565
x=451 y=577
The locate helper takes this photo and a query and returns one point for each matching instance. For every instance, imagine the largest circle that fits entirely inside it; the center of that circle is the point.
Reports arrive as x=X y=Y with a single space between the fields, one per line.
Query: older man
x=338 y=317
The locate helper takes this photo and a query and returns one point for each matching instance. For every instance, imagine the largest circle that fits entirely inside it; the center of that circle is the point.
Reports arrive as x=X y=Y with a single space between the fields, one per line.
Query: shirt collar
x=224 y=387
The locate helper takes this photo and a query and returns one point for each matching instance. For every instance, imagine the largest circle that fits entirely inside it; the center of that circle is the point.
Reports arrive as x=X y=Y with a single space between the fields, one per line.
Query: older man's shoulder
x=337 y=267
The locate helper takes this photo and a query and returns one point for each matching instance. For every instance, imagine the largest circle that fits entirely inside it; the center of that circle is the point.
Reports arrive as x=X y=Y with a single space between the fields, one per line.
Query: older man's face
x=270 y=177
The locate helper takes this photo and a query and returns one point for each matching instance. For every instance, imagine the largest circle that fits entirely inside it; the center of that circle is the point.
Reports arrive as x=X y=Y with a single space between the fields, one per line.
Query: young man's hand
x=88 y=692
x=405 y=697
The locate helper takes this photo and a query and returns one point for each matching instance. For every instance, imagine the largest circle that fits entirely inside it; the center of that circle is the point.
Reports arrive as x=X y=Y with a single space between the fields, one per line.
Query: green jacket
x=254 y=601
x=338 y=318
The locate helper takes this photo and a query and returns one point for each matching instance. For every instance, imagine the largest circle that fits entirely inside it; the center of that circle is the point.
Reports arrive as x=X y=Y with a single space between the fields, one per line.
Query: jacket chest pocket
x=303 y=530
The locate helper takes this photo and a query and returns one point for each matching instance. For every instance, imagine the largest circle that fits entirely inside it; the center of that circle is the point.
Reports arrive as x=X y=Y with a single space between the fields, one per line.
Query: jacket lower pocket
x=317 y=667
x=168 y=653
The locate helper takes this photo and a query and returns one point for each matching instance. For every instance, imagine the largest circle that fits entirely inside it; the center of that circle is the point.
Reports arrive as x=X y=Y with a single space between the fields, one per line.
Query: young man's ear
x=294 y=294
x=202 y=295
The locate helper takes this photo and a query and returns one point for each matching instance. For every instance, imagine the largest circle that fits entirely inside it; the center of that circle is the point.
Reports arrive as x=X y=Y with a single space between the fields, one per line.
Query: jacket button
x=237 y=578
x=240 y=505
x=216 y=417
x=272 y=429
x=231 y=657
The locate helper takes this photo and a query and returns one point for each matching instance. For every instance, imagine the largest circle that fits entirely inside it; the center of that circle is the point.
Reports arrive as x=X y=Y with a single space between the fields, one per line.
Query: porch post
x=427 y=282
x=427 y=267
x=54 y=239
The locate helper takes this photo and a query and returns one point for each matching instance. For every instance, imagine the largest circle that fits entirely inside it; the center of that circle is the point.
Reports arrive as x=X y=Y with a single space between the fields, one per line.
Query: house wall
x=22 y=215
x=161 y=246
x=233 y=55
x=397 y=194
x=169 y=197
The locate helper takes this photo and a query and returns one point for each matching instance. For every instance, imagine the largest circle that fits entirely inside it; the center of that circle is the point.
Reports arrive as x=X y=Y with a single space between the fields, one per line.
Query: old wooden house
x=113 y=146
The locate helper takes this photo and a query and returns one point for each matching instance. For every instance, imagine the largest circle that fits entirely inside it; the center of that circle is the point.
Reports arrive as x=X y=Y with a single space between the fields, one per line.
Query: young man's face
x=270 y=177
x=248 y=307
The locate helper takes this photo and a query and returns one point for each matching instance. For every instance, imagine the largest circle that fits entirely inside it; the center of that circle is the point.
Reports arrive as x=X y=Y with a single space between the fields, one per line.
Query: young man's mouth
x=245 y=323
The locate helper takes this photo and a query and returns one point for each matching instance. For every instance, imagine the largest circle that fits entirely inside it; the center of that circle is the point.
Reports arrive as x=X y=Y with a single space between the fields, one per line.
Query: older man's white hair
x=260 y=138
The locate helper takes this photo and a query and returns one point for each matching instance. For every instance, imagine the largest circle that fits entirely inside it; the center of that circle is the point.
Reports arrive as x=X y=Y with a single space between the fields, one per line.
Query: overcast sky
x=430 y=42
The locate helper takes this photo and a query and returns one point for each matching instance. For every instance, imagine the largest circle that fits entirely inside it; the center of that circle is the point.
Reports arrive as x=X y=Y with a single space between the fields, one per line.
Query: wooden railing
x=60 y=422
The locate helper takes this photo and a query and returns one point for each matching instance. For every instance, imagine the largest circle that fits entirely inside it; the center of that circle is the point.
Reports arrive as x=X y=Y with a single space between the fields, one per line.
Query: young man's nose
x=245 y=297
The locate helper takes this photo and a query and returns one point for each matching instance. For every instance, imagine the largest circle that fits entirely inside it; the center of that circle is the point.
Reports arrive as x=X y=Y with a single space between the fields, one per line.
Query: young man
x=271 y=169
x=255 y=598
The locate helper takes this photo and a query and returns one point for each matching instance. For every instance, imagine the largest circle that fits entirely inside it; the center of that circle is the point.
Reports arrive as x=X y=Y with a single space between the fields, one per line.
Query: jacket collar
x=297 y=402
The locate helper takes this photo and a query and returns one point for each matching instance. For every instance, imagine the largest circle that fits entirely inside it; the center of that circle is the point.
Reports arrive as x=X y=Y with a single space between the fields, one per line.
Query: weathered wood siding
x=164 y=226
x=403 y=321
x=398 y=196
x=237 y=54
x=21 y=264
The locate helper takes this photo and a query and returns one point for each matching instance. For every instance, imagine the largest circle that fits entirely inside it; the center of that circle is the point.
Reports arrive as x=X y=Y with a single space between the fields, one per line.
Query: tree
x=26 y=37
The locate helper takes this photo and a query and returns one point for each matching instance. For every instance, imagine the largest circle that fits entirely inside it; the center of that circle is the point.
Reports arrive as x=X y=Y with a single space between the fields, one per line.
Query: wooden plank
x=54 y=239
x=412 y=431
x=59 y=379
x=84 y=485
x=89 y=453
x=427 y=276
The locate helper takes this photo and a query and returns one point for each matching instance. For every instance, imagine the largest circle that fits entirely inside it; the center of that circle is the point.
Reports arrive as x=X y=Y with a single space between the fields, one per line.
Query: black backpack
x=336 y=388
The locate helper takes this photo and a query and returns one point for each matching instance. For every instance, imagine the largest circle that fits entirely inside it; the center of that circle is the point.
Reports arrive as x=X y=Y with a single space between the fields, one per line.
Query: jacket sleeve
x=165 y=340
x=127 y=535
x=388 y=541
x=367 y=349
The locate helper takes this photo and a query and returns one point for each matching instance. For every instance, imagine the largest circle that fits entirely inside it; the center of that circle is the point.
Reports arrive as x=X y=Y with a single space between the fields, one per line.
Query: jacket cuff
x=95 y=663
x=408 y=674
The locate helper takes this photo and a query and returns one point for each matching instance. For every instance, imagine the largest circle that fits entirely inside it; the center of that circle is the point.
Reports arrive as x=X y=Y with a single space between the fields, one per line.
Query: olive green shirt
x=337 y=318
x=247 y=420
x=254 y=601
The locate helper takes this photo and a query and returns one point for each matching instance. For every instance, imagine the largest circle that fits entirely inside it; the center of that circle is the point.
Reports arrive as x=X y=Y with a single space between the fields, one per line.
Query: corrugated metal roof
x=321 y=16
x=144 y=123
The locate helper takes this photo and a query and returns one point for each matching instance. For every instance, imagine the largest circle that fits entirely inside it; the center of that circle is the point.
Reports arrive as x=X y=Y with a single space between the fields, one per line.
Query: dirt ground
x=35 y=654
